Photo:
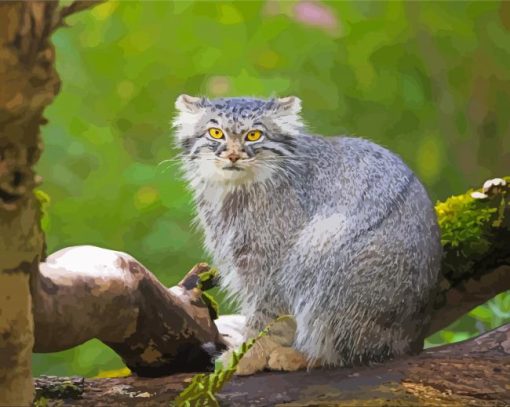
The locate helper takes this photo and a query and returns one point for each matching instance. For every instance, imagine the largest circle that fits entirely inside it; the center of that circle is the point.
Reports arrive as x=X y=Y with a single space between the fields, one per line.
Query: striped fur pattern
x=335 y=231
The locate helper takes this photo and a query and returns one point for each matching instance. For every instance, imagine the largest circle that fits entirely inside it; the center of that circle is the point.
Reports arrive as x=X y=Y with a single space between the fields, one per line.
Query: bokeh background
x=430 y=81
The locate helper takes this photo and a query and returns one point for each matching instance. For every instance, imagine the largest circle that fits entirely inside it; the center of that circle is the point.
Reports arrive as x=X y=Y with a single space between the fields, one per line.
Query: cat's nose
x=233 y=157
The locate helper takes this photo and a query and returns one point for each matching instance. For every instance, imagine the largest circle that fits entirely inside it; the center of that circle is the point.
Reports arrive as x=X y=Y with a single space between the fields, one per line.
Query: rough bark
x=471 y=373
x=28 y=83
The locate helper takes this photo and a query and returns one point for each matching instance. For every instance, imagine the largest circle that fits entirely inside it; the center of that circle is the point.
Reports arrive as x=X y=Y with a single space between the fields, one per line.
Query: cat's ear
x=285 y=114
x=189 y=109
x=290 y=105
x=189 y=104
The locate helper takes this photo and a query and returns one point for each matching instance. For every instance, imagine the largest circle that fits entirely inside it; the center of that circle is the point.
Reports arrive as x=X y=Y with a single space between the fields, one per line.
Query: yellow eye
x=215 y=133
x=254 y=135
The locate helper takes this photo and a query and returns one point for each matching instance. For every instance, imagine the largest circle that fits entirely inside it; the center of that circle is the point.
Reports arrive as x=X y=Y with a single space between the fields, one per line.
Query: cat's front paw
x=251 y=363
x=287 y=359
x=254 y=360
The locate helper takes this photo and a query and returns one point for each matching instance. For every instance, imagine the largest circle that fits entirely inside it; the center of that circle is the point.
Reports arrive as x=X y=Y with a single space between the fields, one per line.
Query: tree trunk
x=28 y=83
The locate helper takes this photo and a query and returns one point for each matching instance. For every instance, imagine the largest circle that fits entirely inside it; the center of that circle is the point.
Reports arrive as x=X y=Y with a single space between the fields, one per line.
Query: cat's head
x=237 y=140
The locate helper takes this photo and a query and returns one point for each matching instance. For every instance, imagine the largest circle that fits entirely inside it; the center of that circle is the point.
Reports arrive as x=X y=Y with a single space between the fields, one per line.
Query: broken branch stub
x=155 y=330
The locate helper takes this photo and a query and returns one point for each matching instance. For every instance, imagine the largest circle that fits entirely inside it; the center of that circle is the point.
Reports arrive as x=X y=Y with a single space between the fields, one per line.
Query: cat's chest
x=235 y=236
x=240 y=231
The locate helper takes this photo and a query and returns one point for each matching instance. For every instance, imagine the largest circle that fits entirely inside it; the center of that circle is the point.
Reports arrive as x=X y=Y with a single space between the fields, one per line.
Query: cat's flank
x=336 y=231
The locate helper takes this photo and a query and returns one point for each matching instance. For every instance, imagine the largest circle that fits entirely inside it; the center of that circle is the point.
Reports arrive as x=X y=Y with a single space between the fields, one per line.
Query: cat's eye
x=253 y=135
x=215 y=133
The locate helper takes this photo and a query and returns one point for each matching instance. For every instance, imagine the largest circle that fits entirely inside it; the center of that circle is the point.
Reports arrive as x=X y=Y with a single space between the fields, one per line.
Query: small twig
x=75 y=7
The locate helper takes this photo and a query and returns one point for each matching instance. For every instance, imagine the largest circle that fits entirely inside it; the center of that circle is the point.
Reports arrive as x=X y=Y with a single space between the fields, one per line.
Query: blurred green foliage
x=428 y=80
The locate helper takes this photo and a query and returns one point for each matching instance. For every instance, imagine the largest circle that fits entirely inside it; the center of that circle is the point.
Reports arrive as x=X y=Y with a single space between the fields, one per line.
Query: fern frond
x=202 y=390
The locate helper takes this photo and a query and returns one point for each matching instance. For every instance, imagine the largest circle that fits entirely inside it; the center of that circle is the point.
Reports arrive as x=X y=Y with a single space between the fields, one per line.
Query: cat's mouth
x=232 y=168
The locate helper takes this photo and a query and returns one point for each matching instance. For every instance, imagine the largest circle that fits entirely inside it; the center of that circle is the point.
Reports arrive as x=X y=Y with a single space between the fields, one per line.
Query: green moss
x=212 y=304
x=463 y=222
x=44 y=201
x=50 y=387
x=41 y=402
x=207 y=281
x=468 y=227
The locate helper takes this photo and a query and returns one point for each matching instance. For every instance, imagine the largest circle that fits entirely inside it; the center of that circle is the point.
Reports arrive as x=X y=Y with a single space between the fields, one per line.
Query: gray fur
x=336 y=231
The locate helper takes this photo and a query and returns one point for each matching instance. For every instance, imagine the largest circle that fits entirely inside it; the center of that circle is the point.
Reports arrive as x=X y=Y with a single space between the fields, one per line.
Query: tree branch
x=476 y=241
x=475 y=372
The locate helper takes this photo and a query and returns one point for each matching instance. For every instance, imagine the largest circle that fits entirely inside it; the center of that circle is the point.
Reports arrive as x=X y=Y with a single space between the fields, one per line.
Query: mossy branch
x=475 y=233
